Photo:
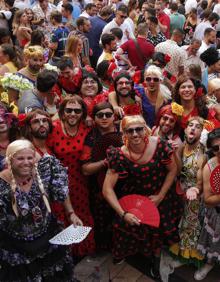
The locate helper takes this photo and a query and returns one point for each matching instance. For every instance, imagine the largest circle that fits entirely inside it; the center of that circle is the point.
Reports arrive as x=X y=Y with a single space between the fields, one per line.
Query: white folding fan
x=71 y=235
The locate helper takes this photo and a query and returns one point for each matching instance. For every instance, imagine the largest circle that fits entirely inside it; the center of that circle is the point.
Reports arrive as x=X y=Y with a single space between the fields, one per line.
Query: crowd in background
x=99 y=100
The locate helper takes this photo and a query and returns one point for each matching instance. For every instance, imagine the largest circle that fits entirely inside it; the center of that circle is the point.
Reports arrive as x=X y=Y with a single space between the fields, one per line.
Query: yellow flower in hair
x=177 y=109
x=208 y=125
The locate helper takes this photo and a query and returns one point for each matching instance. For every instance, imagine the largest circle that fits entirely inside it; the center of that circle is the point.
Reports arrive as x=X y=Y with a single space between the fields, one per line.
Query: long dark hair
x=13 y=54
x=200 y=102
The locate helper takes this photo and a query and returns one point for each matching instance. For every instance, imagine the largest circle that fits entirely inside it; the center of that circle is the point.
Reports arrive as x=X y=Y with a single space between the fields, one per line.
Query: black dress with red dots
x=144 y=179
x=68 y=150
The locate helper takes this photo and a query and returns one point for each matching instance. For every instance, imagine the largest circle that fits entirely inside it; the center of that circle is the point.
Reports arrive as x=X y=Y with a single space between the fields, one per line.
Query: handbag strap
x=139 y=51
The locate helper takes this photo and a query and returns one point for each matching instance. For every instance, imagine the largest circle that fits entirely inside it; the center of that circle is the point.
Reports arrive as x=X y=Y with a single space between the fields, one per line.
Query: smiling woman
x=26 y=222
x=147 y=167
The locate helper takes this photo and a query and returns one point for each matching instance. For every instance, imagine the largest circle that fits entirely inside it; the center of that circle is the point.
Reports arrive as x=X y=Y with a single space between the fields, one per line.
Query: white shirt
x=203 y=47
x=189 y=5
x=85 y=15
x=123 y=27
x=192 y=59
x=200 y=29
x=171 y=48
x=217 y=10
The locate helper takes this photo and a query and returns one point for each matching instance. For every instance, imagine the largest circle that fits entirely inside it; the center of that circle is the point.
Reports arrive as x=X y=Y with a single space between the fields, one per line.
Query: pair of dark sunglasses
x=70 y=111
x=215 y=148
x=102 y=115
x=154 y=79
x=138 y=130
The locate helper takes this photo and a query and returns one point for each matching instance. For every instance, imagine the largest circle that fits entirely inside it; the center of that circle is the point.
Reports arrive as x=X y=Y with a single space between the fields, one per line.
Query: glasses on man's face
x=70 y=111
x=89 y=81
x=39 y=121
x=123 y=16
x=102 y=115
x=138 y=130
x=154 y=79
x=121 y=83
x=215 y=148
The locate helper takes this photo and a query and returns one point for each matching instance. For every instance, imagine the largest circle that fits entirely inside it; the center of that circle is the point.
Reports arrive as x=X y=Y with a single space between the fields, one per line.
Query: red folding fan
x=142 y=208
x=215 y=180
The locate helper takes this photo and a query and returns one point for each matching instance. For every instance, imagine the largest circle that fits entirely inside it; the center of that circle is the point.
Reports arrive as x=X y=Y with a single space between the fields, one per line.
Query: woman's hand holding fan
x=215 y=180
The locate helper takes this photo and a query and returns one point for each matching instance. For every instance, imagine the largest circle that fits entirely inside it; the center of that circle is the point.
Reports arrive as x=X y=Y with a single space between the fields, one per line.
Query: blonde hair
x=154 y=70
x=12 y=149
x=71 y=45
x=213 y=85
x=128 y=120
x=33 y=51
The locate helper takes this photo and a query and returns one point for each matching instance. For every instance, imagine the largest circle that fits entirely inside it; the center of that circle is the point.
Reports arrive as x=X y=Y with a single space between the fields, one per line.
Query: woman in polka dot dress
x=146 y=166
x=66 y=142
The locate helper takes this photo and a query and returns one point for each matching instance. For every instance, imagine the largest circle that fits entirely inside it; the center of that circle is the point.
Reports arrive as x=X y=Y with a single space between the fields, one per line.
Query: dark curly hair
x=200 y=102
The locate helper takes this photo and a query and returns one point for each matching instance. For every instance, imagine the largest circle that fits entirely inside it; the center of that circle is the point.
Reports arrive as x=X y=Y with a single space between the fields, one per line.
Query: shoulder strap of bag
x=139 y=52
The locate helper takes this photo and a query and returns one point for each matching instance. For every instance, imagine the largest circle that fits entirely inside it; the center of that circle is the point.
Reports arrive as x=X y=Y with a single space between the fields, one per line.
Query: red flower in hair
x=137 y=77
x=89 y=69
x=199 y=92
x=21 y=119
x=167 y=58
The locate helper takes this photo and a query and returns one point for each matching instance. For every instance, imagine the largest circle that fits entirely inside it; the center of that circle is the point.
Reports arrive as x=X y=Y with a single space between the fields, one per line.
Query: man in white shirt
x=191 y=54
x=170 y=47
x=208 y=41
x=206 y=23
x=90 y=11
x=118 y=21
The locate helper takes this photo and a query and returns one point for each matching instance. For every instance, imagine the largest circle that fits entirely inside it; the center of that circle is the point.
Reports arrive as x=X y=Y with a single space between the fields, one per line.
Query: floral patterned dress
x=25 y=253
x=190 y=227
x=144 y=179
x=68 y=150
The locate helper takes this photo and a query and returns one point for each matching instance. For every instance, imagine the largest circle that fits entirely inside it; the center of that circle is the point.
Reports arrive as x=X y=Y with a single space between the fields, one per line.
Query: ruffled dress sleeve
x=54 y=177
x=166 y=152
x=117 y=161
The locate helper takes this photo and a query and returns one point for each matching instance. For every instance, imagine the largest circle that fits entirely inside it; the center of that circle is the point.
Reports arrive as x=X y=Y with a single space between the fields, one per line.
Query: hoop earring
x=125 y=141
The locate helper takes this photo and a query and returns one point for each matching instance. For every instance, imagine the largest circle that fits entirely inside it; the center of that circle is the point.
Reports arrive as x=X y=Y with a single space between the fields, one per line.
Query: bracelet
x=70 y=213
x=124 y=214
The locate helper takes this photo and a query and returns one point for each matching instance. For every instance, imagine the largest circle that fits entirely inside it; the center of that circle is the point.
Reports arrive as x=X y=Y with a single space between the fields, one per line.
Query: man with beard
x=124 y=99
x=109 y=46
x=193 y=160
x=37 y=127
x=34 y=60
x=167 y=127
x=66 y=143
x=209 y=40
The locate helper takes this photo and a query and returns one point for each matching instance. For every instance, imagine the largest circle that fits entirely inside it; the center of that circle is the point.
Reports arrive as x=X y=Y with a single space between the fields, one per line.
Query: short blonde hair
x=154 y=70
x=213 y=85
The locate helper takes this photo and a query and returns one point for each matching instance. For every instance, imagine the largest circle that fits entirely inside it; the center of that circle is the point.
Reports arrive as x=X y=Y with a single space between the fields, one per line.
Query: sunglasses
x=70 y=111
x=36 y=121
x=215 y=148
x=154 y=79
x=102 y=115
x=123 y=17
x=136 y=129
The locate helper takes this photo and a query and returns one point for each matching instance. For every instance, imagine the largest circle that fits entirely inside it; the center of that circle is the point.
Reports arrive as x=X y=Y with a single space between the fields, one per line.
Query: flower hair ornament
x=199 y=93
x=167 y=58
x=177 y=109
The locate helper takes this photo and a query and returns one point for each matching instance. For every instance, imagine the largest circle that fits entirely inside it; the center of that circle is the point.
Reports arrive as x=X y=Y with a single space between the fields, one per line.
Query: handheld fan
x=142 y=208
x=215 y=180
x=71 y=235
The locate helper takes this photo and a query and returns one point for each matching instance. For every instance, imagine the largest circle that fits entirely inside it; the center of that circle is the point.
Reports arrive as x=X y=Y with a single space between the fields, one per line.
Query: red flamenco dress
x=144 y=179
x=68 y=150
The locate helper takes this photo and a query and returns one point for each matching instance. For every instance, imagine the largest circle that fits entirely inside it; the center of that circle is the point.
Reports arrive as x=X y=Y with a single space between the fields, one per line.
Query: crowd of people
x=99 y=100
